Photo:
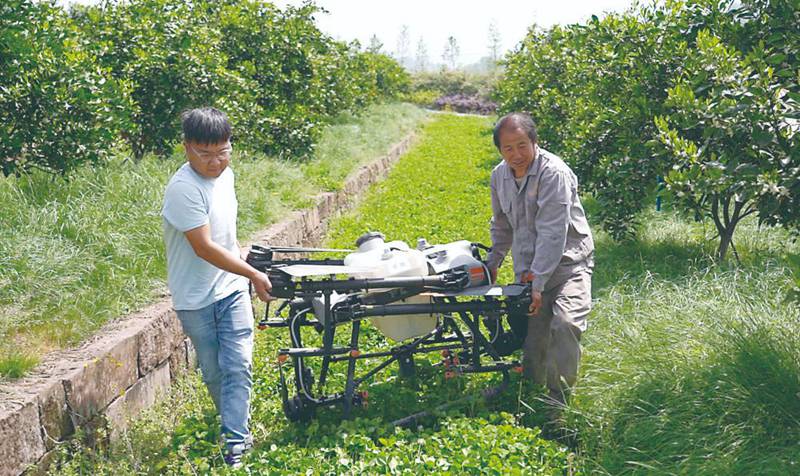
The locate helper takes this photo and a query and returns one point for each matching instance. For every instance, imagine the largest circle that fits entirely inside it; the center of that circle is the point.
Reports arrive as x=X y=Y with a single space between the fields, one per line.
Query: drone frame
x=457 y=335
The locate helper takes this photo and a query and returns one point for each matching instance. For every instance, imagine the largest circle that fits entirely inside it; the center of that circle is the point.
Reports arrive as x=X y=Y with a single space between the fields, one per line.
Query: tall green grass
x=76 y=253
x=690 y=367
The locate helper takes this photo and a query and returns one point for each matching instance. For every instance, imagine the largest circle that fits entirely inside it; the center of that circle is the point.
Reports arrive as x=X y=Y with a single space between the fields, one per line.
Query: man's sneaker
x=233 y=456
x=233 y=460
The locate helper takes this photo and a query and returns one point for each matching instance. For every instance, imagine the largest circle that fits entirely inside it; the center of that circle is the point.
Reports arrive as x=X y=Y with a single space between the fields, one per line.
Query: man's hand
x=536 y=304
x=536 y=296
x=262 y=286
x=493 y=275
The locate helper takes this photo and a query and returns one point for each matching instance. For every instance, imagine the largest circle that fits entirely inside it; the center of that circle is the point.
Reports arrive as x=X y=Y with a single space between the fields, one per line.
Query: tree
x=375 y=44
x=594 y=90
x=494 y=43
x=421 y=56
x=172 y=62
x=451 y=52
x=58 y=108
x=730 y=134
x=403 y=46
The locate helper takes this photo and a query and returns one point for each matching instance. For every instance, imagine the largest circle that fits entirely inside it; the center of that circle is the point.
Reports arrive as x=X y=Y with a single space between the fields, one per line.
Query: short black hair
x=516 y=120
x=205 y=125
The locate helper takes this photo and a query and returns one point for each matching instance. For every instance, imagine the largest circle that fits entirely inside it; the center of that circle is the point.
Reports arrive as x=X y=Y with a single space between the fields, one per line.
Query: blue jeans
x=222 y=335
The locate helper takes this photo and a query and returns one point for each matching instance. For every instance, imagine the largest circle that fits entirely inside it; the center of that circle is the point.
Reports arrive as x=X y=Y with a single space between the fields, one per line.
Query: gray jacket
x=541 y=221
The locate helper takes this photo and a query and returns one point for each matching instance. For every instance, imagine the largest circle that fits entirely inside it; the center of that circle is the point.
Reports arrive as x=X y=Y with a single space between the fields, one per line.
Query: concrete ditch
x=99 y=386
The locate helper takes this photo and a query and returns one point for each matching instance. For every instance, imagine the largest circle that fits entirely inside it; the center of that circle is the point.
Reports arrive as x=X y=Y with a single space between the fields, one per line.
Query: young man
x=206 y=274
x=536 y=212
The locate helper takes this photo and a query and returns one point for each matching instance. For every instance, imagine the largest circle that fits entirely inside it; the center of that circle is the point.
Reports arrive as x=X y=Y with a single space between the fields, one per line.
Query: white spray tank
x=455 y=255
x=393 y=260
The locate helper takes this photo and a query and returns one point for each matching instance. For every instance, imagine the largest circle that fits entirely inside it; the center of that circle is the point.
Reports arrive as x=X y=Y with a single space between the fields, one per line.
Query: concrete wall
x=127 y=364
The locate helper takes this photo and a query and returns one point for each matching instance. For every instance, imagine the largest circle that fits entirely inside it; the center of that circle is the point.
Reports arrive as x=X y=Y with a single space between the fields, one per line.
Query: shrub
x=729 y=139
x=58 y=109
x=454 y=82
x=465 y=104
x=169 y=57
x=422 y=97
x=595 y=91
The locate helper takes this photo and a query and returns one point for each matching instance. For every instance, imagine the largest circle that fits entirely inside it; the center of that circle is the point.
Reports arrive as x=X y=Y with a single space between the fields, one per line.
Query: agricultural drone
x=432 y=298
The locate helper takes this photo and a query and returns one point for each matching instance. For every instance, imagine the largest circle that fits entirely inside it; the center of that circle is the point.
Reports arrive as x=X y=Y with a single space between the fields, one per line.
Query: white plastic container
x=450 y=256
x=392 y=260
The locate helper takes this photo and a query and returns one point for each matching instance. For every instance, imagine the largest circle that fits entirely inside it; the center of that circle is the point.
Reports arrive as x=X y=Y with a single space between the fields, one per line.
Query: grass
x=77 y=253
x=690 y=367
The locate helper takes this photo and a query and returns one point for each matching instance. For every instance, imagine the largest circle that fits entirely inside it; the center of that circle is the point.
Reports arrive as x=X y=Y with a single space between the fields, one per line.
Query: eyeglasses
x=222 y=155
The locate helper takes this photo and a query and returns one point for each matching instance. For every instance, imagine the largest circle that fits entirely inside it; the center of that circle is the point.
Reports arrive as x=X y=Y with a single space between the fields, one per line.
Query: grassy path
x=689 y=367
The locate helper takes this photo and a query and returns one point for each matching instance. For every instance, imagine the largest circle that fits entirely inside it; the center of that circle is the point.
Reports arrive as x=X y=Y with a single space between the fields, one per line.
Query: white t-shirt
x=190 y=201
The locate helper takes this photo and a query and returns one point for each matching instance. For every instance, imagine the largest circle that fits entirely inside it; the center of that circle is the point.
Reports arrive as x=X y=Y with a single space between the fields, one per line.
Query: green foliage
x=729 y=138
x=367 y=136
x=422 y=97
x=17 y=363
x=794 y=265
x=454 y=82
x=172 y=61
x=596 y=90
x=292 y=66
x=434 y=183
x=593 y=90
x=72 y=86
x=58 y=108
x=276 y=74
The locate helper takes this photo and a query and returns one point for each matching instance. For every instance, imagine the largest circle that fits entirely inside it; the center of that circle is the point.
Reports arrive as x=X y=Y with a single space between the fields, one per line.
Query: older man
x=537 y=213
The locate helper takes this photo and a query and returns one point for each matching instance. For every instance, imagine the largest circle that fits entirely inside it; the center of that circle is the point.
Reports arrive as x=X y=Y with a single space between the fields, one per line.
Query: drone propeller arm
x=454 y=280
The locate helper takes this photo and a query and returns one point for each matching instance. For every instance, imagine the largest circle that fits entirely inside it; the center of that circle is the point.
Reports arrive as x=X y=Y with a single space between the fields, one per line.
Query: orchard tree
x=58 y=108
x=733 y=139
x=775 y=24
x=171 y=60
x=594 y=90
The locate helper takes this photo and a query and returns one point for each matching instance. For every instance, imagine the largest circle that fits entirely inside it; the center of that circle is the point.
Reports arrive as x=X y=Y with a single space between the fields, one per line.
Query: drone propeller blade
x=301 y=249
x=510 y=290
x=303 y=270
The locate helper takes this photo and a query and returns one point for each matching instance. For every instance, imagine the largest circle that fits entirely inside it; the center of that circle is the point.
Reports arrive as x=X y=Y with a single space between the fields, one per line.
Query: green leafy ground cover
x=689 y=367
x=74 y=254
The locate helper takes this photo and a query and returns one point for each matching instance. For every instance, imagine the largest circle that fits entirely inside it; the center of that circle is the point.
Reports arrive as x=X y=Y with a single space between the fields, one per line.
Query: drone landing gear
x=299 y=409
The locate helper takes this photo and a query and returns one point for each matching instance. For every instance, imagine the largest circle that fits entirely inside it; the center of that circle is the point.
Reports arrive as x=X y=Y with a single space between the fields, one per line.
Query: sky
x=434 y=21
x=466 y=20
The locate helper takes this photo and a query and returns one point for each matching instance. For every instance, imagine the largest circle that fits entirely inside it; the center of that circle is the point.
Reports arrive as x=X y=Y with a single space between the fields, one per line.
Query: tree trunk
x=726 y=221
x=725 y=239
